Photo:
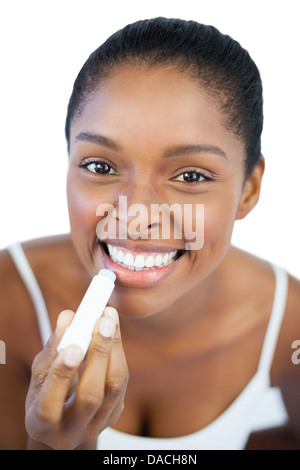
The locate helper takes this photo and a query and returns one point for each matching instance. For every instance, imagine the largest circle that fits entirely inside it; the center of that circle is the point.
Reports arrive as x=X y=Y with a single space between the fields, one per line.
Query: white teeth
x=149 y=261
x=140 y=262
x=114 y=252
x=158 y=260
x=165 y=259
x=120 y=257
x=128 y=259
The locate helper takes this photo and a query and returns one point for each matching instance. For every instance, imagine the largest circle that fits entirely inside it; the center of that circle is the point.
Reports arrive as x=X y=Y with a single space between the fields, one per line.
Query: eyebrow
x=176 y=151
x=98 y=139
x=188 y=149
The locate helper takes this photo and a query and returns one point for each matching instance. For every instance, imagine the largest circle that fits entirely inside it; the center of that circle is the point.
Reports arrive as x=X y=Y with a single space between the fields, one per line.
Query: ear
x=251 y=190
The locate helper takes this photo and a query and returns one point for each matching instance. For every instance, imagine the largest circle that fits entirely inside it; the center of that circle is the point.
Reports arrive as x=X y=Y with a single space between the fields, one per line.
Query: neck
x=193 y=305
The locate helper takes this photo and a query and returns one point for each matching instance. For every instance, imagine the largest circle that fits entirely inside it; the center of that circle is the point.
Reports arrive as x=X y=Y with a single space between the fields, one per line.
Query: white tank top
x=259 y=406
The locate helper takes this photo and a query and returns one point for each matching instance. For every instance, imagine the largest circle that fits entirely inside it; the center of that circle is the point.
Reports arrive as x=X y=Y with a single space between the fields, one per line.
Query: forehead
x=157 y=105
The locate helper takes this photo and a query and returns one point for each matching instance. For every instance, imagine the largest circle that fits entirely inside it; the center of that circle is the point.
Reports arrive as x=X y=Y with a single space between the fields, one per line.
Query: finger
x=106 y=416
x=116 y=382
x=117 y=371
x=43 y=360
x=51 y=402
x=91 y=388
x=63 y=321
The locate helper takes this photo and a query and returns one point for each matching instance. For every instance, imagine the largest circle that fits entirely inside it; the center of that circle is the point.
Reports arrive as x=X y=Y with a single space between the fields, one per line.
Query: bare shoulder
x=255 y=278
x=289 y=334
x=15 y=306
x=19 y=333
x=285 y=372
x=59 y=271
x=54 y=264
x=293 y=306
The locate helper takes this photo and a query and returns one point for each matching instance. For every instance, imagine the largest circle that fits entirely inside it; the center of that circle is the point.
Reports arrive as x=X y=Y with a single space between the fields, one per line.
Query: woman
x=165 y=112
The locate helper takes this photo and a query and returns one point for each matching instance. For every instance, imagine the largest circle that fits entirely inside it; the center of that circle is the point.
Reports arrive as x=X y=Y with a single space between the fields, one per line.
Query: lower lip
x=132 y=278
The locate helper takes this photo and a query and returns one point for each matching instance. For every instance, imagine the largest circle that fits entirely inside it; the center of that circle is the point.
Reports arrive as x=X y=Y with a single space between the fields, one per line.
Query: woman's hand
x=70 y=401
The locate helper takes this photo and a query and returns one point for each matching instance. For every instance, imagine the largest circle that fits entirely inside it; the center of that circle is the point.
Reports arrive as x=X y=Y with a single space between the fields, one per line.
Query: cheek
x=82 y=206
x=218 y=222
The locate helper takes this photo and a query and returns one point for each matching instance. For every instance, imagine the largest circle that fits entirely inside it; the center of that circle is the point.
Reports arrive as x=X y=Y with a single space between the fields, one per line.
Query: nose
x=135 y=211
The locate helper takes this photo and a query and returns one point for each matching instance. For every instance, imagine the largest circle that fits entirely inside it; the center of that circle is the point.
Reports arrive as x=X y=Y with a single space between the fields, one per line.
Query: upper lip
x=141 y=247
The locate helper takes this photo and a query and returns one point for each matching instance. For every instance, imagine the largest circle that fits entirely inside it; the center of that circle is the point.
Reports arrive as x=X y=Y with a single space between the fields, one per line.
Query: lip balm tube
x=79 y=333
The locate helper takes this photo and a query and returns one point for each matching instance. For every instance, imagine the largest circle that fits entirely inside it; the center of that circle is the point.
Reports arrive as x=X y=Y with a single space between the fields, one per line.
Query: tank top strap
x=270 y=341
x=20 y=260
x=276 y=317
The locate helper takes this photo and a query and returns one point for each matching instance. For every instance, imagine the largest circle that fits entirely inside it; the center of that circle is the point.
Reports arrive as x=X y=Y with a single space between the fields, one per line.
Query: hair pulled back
x=217 y=62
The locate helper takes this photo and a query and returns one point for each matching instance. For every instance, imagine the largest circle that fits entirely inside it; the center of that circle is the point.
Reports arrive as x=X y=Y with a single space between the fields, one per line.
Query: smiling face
x=153 y=136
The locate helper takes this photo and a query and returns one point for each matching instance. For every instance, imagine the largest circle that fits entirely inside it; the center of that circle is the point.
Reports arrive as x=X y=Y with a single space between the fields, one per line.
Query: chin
x=137 y=304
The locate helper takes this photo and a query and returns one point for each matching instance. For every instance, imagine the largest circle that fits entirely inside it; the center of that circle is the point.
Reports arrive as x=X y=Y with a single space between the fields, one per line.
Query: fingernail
x=112 y=313
x=107 y=326
x=73 y=356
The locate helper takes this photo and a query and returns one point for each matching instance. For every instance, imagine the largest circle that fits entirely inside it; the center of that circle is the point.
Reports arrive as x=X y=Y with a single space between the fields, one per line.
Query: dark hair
x=216 y=61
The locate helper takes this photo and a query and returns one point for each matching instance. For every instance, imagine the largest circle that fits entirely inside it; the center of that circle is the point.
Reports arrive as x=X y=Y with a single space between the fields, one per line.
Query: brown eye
x=98 y=168
x=191 y=177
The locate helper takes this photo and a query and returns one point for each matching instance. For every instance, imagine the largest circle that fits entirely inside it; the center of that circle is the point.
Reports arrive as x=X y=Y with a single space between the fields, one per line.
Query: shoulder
x=289 y=334
x=265 y=284
x=41 y=253
x=59 y=272
x=15 y=304
x=53 y=262
x=293 y=304
x=56 y=268
x=253 y=280
x=19 y=333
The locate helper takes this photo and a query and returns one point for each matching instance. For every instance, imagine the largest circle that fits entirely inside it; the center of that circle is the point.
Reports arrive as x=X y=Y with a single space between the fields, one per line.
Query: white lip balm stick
x=79 y=333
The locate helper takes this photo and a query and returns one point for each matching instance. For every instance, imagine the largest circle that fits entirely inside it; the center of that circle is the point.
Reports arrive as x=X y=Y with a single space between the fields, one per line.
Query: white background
x=43 y=45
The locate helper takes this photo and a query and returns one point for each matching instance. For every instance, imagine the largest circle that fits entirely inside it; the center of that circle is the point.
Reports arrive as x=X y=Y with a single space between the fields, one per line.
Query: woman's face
x=152 y=137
